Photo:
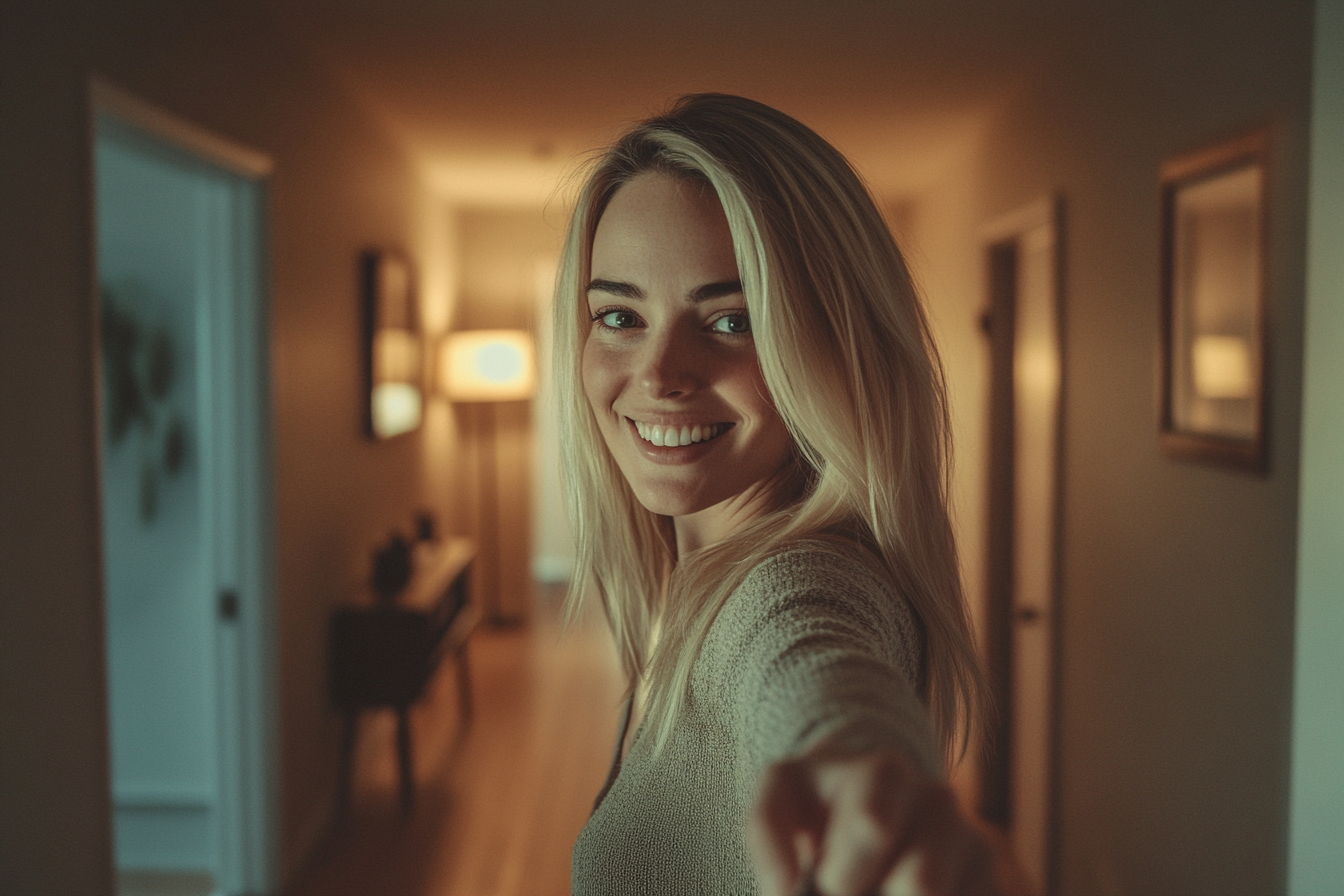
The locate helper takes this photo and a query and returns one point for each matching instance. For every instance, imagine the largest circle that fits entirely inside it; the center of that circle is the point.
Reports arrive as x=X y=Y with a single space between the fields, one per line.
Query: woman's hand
x=869 y=824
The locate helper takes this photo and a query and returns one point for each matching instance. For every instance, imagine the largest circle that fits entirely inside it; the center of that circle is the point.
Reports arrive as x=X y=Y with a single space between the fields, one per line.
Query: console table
x=383 y=656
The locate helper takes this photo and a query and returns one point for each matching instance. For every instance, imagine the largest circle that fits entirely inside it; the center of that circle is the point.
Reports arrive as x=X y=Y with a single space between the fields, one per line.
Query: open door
x=186 y=492
x=1023 y=328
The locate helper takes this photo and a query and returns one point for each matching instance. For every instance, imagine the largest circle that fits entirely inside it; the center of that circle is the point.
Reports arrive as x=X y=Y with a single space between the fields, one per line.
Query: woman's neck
x=714 y=524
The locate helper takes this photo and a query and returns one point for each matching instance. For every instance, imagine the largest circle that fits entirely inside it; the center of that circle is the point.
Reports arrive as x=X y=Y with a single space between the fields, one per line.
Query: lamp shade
x=487 y=365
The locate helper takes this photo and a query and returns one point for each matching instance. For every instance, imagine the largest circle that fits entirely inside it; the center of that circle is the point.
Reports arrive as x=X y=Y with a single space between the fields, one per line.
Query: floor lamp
x=484 y=367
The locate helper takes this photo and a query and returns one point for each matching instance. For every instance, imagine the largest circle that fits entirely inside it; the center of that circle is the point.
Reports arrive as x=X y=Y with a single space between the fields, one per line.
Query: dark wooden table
x=383 y=656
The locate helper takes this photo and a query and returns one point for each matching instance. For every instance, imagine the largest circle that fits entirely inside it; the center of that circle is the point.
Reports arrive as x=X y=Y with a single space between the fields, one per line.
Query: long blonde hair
x=846 y=353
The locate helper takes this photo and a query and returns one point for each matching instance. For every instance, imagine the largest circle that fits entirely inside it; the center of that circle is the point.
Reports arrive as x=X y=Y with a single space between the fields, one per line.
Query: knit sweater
x=813 y=650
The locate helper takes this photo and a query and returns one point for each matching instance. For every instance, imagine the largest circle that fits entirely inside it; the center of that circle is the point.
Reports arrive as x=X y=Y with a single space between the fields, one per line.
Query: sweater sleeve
x=825 y=656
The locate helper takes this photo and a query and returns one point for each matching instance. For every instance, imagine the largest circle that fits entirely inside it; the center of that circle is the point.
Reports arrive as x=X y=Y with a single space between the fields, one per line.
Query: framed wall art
x=1213 y=304
x=393 y=395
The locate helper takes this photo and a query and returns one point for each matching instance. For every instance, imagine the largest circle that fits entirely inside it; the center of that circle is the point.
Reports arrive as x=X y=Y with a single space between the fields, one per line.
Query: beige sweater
x=813 y=648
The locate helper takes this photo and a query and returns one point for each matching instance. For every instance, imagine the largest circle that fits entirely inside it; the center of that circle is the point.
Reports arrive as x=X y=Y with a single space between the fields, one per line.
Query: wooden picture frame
x=1213 y=348
x=393 y=350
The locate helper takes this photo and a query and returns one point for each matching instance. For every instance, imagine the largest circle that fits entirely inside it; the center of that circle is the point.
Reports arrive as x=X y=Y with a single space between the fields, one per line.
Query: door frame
x=243 y=564
x=1034 y=564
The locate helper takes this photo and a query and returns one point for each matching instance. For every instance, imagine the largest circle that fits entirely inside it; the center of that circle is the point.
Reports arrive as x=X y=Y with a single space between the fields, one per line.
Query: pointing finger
x=785 y=830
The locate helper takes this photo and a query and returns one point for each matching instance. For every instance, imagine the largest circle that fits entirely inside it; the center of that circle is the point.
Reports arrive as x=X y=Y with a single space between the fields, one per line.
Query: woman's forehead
x=656 y=224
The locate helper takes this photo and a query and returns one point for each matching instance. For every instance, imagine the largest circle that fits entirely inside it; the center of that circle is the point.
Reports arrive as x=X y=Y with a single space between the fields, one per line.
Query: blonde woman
x=755 y=442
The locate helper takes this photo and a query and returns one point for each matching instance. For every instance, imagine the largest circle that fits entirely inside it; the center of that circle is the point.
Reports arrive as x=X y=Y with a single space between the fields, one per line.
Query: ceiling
x=497 y=101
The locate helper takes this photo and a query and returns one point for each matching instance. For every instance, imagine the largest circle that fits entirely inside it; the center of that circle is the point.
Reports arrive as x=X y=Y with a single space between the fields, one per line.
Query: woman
x=755 y=439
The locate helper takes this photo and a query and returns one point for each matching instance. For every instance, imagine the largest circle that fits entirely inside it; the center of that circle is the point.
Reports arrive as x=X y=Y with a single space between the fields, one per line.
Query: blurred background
x=196 y=473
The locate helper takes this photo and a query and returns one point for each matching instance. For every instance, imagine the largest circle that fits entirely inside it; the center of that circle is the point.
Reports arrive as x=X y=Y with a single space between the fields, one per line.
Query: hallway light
x=484 y=367
x=487 y=365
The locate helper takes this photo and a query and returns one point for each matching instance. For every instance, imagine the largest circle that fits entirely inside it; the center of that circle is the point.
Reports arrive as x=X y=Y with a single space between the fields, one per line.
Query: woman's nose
x=668 y=368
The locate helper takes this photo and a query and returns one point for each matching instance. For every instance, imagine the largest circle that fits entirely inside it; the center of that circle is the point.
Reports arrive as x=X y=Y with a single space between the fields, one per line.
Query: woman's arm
x=852 y=799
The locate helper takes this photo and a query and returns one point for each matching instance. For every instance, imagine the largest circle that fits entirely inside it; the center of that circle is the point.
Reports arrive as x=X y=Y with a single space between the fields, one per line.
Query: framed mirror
x=393 y=369
x=1213 y=304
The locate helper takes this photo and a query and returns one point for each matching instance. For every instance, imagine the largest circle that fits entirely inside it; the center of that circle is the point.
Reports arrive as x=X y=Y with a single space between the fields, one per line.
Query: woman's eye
x=734 y=324
x=617 y=320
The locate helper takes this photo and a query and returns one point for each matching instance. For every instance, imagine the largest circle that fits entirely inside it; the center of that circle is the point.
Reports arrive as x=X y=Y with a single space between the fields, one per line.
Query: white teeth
x=672 y=436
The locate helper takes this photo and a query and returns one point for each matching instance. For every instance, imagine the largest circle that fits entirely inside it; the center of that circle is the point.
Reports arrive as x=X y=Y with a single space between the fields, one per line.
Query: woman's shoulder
x=819 y=563
x=819 y=645
x=827 y=589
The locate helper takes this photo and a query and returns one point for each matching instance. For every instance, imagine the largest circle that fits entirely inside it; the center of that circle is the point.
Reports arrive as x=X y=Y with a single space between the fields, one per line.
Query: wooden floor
x=499 y=806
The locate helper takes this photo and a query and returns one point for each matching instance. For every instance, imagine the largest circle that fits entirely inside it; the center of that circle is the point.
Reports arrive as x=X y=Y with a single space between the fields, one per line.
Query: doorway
x=185 y=501
x=1022 y=325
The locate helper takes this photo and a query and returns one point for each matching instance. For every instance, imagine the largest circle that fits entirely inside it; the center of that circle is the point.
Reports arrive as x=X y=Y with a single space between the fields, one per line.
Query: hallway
x=497 y=809
x=1200 y=635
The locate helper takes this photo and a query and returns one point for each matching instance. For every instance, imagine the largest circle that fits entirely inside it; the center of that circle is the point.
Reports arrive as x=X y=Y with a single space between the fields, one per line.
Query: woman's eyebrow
x=716 y=290
x=616 y=288
x=699 y=294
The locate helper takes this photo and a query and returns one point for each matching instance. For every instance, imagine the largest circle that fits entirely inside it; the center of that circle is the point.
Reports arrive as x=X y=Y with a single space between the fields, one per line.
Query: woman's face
x=669 y=365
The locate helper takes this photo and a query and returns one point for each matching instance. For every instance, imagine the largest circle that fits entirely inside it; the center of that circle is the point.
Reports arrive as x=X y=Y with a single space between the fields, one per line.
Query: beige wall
x=1178 y=578
x=339 y=185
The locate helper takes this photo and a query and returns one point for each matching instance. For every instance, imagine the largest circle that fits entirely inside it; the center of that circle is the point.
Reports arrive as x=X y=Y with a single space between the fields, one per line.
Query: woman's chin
x=672 y=505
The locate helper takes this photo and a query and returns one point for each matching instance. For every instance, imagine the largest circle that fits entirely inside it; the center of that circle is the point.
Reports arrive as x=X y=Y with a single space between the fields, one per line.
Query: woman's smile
x=674 y=436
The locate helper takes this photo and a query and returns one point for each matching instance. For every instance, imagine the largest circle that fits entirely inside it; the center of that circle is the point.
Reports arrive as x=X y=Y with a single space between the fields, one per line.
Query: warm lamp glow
x=1221 y=366
x=395 y=401
x=396 y=409
x=487 y=365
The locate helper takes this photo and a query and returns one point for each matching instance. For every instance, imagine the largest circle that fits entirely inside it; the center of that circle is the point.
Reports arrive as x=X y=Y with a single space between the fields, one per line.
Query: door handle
x=228 y=605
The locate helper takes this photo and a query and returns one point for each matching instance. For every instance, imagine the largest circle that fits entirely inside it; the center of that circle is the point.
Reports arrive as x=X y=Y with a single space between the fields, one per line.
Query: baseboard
x=159 y=836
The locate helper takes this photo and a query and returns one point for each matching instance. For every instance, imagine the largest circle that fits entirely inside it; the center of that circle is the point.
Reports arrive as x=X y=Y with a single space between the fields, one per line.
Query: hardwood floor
x=497 y=807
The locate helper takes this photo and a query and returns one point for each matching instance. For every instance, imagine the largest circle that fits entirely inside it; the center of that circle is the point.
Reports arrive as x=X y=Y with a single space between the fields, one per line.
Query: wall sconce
x=484 y=367
x=394 y=374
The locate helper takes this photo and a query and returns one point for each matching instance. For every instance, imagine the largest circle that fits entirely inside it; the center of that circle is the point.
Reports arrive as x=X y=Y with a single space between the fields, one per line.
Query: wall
x=1178 y=578
x=340 y=184
x=1315 y=861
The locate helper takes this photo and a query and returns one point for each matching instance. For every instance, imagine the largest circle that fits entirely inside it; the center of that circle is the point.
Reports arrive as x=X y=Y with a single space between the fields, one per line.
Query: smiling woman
x=754 y=435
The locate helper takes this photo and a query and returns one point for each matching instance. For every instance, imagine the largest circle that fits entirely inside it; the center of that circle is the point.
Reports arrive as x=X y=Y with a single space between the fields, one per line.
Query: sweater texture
x=812 y=651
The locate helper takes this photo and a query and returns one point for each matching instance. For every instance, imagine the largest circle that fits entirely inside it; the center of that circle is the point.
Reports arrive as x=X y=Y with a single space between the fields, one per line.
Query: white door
x=186 y=529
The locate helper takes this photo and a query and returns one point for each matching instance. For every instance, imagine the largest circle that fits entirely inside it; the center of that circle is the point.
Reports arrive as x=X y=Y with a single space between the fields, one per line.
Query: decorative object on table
x=483 y=367
x=1213 y=304
x=393 y=366
x=426 y=527
x=393 y=565
x=140 y=367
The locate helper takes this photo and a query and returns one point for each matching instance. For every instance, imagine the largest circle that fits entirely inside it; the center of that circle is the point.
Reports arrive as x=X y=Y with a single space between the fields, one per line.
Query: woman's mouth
x=672 y=436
